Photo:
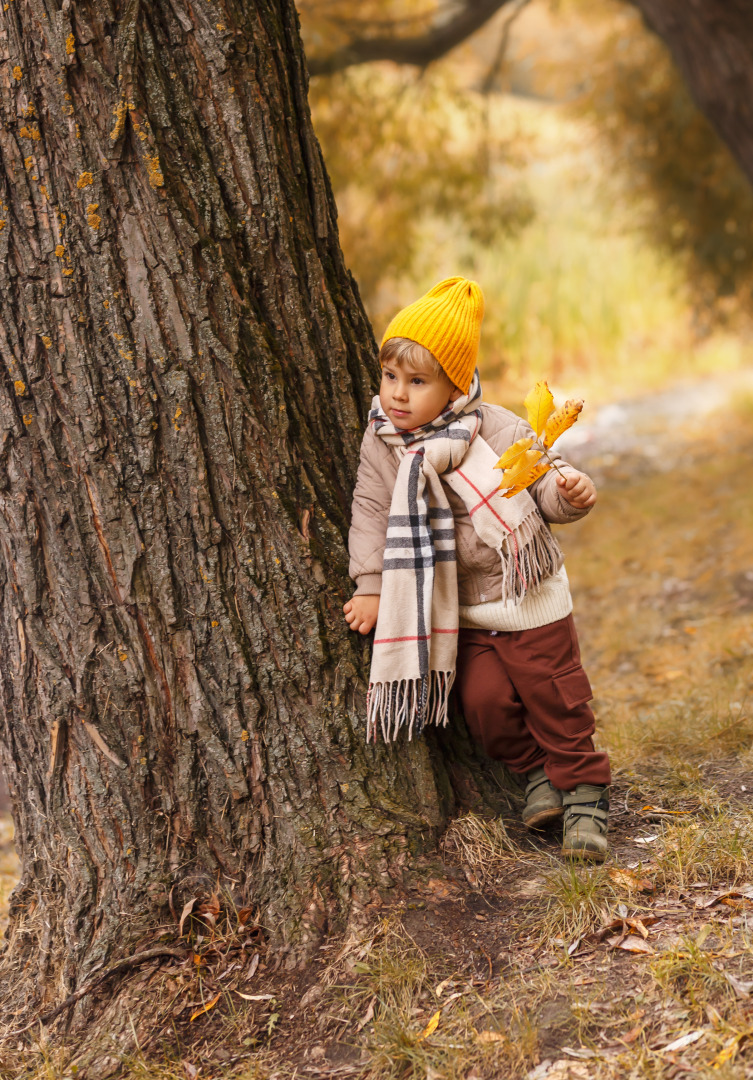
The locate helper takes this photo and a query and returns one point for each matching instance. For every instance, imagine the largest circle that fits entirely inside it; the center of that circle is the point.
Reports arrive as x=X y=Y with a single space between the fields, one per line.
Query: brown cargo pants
x=525 y=698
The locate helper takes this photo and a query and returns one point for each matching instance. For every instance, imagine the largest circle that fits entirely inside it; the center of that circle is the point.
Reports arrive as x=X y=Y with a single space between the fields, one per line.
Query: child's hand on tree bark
x=361 y=613
x=577 y=488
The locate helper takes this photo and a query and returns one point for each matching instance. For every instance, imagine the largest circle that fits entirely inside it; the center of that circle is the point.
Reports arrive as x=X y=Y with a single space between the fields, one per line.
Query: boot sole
x=544 y=817
x=584 y=854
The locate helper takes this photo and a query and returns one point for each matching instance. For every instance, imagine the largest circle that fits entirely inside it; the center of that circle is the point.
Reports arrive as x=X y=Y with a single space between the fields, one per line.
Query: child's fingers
x=568 y=480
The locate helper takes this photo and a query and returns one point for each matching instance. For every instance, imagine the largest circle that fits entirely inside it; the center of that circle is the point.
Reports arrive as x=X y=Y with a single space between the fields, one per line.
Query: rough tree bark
x=185 y=372
x=711 y=42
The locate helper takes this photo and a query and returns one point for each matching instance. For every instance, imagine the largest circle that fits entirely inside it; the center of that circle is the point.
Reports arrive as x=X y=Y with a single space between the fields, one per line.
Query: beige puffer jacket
x=479 y=573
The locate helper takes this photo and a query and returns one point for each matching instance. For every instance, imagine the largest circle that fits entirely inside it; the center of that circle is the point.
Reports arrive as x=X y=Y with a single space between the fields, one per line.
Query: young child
x=467 y=587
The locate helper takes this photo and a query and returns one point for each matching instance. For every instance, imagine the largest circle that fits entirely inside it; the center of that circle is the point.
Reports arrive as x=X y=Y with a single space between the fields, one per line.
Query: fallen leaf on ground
x=640 y=925
x=631 y=943
x=631 y=1035
x=628 y=879
x=431 y=1027
x=253 y=997
x=368 y=1016
x=187 y=909
x=682 y=1042
x=645 y=839
x=209 y=1005
x=252 y=967
x=656 y=813
x=740 y=986
x=727 y=1052
x=743 y=892
x=490 y=1037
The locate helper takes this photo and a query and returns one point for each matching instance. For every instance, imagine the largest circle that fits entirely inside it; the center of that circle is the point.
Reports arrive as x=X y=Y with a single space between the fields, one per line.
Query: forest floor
x=498 y=959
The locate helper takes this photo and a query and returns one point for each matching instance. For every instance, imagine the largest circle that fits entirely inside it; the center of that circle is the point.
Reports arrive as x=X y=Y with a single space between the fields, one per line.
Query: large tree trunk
x=712 y=44
x=186 y=369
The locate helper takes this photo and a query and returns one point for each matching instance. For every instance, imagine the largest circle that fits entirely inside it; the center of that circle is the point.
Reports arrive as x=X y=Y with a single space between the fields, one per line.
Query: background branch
x=419 y=51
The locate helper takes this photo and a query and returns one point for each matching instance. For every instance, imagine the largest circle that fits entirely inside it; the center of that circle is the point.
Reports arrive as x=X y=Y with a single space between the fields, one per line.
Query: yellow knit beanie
x=447 y=322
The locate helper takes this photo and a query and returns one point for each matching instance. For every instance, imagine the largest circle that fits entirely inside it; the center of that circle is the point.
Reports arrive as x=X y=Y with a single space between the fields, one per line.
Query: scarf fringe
x=529 y=555
x=411 y=702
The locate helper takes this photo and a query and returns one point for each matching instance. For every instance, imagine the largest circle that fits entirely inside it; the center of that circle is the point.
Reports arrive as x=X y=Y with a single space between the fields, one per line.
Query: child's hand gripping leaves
x=528 y=459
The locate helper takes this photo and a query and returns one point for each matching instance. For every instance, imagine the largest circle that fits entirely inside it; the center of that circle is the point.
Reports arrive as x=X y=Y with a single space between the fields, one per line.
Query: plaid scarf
x=415 y=644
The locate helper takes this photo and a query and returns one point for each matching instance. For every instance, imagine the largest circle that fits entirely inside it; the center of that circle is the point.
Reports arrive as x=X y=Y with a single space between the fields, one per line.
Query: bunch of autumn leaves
x=528 y=459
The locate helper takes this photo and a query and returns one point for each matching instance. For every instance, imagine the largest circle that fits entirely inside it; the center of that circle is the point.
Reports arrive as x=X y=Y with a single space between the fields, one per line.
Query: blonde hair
x=399 y=351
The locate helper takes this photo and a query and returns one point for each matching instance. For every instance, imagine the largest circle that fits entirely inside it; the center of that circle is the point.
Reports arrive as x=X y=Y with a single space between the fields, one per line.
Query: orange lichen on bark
x=92 y=217
x=30 y=133
x=84 y=180
x=120 y=112
x=156 y=179
x=60 y=250
x=70 y=45
x=17 y=73
x=20 y=387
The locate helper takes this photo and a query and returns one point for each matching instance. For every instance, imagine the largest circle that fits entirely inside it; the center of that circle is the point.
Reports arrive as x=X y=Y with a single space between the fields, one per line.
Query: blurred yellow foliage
x=405 y=151
x=687 y=190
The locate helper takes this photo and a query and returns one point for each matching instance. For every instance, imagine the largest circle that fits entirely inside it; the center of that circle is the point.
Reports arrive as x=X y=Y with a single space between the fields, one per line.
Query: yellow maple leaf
x=513 y=453
x=518 y=473
x=561 y=419
x=539 y=404
x=526 y=480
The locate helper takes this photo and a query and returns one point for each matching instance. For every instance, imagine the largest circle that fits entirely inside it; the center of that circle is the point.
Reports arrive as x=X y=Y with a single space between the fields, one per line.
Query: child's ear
x=456 y=393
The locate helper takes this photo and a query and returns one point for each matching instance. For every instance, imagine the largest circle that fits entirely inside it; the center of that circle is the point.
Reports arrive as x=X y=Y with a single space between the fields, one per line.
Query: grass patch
x=694 y=976
x=578 y=899
x=716 y=850
x=483 y=846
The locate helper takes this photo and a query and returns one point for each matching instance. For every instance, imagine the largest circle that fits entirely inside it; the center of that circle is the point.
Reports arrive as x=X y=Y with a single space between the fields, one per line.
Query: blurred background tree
x=556 y=154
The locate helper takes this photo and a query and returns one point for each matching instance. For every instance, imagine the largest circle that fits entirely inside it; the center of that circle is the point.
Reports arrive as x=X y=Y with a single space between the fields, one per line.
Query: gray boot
x=586 y=816
x=543 y=800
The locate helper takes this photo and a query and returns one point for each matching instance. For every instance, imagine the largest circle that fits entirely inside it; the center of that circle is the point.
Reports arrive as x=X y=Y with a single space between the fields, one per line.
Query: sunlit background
x=556 y=157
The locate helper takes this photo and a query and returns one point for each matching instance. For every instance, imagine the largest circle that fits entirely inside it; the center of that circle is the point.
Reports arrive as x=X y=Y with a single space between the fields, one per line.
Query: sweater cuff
x=571 y=513
x=368 y=585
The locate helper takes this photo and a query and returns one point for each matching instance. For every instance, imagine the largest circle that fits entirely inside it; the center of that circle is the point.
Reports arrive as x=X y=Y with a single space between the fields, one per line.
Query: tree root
x=121 y=965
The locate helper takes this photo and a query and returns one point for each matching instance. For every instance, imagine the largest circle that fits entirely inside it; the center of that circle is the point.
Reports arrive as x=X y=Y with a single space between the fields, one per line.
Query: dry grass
x=483 y=847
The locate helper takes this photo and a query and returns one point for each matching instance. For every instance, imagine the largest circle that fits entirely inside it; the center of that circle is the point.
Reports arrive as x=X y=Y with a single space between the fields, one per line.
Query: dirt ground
x=496 y=958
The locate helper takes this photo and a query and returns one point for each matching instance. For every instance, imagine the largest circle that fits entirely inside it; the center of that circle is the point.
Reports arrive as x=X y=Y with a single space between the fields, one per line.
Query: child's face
x=411 y=397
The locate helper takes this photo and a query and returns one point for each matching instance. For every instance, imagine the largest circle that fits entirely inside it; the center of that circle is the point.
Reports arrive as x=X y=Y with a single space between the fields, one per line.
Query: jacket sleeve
x=370 y=514
x=552 y=505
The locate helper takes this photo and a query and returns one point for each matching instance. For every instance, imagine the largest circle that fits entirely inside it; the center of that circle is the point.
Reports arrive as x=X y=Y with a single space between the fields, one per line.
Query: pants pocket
x=573 y=687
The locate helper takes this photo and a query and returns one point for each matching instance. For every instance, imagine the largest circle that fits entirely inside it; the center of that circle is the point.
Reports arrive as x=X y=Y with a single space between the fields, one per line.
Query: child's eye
x=388 y=374
x=417 y=382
